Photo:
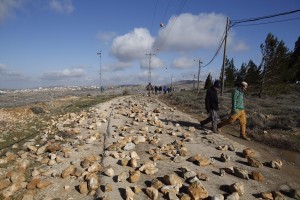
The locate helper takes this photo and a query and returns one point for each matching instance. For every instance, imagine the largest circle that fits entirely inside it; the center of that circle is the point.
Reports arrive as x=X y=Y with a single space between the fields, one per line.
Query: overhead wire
x=234 y=22
x=166 y=11
x=155 y=9
x=272 y=22
x=218 y=49
x=169 y=27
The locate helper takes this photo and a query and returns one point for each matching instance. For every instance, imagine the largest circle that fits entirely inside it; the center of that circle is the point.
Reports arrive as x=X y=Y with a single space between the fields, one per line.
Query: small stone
x=276 y=164
x=267 y=195
x=248 y=153
x=253 y=162
x=197 y=191
x=237 y=187
x=257 y=176
x=152 y=193
x=108 y=187
x=233 y=196
x=241 y=173
x=218 y=197
x=83 y=189
x=157 y=184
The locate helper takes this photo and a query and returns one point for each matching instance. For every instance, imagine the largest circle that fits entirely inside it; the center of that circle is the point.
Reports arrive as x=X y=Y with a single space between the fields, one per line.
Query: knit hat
x=217 y=84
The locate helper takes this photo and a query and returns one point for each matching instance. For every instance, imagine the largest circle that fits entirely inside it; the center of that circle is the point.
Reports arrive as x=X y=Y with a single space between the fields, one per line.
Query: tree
x=208 y=82
x=241 y=74
x=230 y=73
x=274 y=62
x=294 y=66
x=253 y=74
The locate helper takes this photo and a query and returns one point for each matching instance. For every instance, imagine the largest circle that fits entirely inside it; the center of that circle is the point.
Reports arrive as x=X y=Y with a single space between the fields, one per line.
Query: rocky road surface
x=136 y=147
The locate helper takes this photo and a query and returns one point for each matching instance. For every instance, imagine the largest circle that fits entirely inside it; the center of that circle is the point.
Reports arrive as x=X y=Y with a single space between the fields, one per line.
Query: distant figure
x=149 y=88
x=165 y=89
x=212 y=106
x=160 y=89
x=155 y=89
x=238 y=110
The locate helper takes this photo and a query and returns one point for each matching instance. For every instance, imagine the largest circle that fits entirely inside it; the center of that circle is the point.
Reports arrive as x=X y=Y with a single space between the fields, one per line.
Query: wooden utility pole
x=199 y=69
x=224 y=56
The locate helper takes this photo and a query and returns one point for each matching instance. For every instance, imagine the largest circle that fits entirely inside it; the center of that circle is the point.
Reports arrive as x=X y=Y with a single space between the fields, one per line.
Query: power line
x=234 y=22
x=167 y=32
x=272 y=22
x=154 y=15
x=218 y=49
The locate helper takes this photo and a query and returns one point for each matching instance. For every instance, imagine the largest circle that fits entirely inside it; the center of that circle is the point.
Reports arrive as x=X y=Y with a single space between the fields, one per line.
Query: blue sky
x=55 y=42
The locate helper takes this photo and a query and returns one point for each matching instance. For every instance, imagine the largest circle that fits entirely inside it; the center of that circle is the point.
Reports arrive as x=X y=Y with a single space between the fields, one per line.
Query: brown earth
x=128 y=117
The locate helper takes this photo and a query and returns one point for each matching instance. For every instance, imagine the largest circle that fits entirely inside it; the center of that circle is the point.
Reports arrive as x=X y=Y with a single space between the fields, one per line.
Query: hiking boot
x=245 y=137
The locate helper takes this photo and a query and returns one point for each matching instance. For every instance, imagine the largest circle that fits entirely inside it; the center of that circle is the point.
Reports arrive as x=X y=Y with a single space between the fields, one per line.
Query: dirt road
x=166 y=140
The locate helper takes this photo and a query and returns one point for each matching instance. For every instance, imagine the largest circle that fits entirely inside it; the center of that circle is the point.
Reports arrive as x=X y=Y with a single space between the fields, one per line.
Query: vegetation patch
x=273 y=120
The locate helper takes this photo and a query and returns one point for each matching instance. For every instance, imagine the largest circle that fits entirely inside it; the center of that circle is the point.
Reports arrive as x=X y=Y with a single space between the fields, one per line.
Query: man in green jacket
x=238 y=110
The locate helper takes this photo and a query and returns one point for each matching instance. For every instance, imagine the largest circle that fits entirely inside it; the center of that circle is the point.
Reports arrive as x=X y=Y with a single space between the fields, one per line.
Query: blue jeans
x=213 y=118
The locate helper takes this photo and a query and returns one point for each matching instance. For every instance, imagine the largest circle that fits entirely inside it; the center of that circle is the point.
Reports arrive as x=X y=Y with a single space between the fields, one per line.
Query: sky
x=45 y=43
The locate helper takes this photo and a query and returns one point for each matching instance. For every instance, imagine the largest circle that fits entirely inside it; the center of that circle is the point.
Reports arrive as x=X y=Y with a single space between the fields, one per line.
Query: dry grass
x=28 y=122
x=272 y=119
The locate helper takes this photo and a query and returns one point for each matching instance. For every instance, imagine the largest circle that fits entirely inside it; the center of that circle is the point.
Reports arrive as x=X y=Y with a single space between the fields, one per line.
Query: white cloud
x=62 y=6
x=183 y=63
x=105 y=36
x=133 y=45
x=2 y=67
x=189 y=32
x=66 y=73
x=117 y=66
x=8 y=8
x=155 y=63
x=239 y=46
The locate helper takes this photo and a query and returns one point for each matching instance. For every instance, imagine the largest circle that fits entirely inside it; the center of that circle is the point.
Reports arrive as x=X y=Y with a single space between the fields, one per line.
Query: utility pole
x=199 y=69
x=194 y=81
x=224 y=56
x=99 y=53
x=149 y=72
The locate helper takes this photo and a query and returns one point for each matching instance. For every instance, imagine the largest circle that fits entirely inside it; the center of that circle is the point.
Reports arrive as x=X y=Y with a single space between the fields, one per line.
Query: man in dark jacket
x=212 y=106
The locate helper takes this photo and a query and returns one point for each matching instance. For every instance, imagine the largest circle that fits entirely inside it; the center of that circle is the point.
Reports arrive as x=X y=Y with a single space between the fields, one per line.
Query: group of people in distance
x=158 y=89
x=237 y=108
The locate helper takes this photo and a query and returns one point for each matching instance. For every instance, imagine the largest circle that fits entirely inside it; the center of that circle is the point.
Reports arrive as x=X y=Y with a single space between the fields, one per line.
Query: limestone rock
x=173 y=180
x=253 y=162
x=197 y=191
x=257 y=176
x=123 y=176
x=241 y=173
x=68 y=171
x=267 y=195
x=237 y=187
x=129 y=193
x=109 y=172
x=233 y=196
x=157 y=184
x=83 y=188
x=276 y=164
x=248 y=153
x=152 y=193
x=134 y=176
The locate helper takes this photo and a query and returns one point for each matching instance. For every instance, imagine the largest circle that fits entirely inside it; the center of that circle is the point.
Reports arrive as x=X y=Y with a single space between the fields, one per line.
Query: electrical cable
x=234 y=22
x=164 y=18
x=277 y=21
x=169 y=28
x=154 y=16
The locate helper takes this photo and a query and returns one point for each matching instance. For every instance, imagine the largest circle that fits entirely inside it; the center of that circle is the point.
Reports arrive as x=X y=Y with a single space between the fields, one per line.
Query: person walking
x=212 y=106
x=238 y=110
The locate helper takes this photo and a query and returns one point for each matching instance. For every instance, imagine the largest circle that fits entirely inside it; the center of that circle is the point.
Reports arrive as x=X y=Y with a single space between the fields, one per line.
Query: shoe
x=245 y=137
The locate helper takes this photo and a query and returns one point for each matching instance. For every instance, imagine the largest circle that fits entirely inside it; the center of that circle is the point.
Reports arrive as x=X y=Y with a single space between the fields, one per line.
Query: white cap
x=245 y=84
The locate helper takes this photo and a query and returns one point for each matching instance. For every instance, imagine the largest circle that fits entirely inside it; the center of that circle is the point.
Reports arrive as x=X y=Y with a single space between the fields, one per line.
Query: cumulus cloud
x=188 y=32
x=132 y=45
x=155 y=63
x=64 y=74
x=183 y=63
x=8 y=8
x=62 y=6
